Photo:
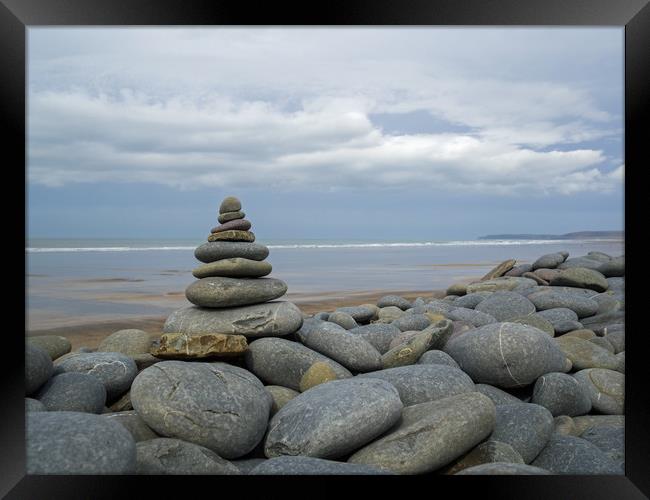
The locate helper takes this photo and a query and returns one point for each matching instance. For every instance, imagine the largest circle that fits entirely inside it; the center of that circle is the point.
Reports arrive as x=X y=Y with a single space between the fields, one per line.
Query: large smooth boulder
x=172 y=456
x=333 y=419
x=550 y=299
x=130 y=342
x=270 y=319
x=62 y=442
x=300 y=465
x=222 y=407
x=561 y=394
x=506 y=354
x=54 y=345
x=421 y=383
x=431 y=435
x=219 y=292
x=115 y=370
x=38 y=368
x=283 y=362
x=233 y=268
x=394 y=300
x=526 y=427
x=80 y=392
x=475 y=317
x=506 y=305
x=606 y=388
x=575 y=456
x=548 y=261
x=581 y=277
x=435 y=357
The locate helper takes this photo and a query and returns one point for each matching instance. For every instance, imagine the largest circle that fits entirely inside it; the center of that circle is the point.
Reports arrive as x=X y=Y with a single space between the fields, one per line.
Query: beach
x=86 y=290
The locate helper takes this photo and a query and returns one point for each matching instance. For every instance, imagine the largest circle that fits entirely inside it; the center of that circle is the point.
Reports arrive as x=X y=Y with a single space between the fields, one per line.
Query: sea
x=68 y=278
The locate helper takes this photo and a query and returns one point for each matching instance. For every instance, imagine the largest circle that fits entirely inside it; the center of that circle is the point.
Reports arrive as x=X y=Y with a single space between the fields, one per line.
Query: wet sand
x=91 y=332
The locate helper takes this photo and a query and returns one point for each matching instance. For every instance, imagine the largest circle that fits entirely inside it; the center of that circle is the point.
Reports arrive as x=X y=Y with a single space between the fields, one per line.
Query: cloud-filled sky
x=369 y=133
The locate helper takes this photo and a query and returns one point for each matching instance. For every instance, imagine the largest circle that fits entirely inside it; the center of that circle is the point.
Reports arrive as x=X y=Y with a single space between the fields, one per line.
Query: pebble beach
x=519 y=370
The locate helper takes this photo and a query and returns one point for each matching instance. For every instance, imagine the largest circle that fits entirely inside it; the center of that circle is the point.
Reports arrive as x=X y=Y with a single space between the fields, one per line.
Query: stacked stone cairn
x=519 y=372
x=233 y=301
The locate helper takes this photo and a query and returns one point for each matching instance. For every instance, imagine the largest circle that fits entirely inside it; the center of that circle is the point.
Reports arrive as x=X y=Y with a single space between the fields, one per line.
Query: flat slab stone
x=228 y=216
x=233 y=225
x=270 y=319
x=218 y=250
x=236 y=267
x=207 y=345
x=219 y=292
x=232 y=235
x=503 y=283
x=499 y=270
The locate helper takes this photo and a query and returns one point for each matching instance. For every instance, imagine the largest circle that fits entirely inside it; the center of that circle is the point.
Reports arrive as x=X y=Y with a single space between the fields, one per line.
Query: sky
x=352 y=133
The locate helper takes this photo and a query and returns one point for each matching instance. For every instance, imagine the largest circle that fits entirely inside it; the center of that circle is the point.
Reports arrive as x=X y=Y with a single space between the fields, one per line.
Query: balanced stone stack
x=232 y=296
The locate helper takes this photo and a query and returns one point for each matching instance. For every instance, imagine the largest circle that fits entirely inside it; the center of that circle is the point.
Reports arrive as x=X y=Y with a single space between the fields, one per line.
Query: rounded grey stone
x=420 y=383
x=617 y=339
x=218 y=250
x=173 y=456
x=283 y=362
x=503 y=283
x=476 y=318
x=525 y=427
x=503 y=469
x=361 y=314
x=222 y=407
x=581 y=277
x=412 y=322
x=259 y=320
x=73 y=391
x=222 y=292
x=537 y=321
x=517 y=271
x=607 y=303
x=561 y=394
x=133 y=423
x=380 y=335
x=435 y=357
x=54 y=345
x=613 y=268
x=506 y=305
x=333 y=341
x=229 y=204
x=487 y=452
x=116 y=371
x=548 y=261
x=557 y=315
x=38 y=368
x=562 y=327
x=333 y=419
x=547 y=299
x=62 y=442
x=432 y=434
x=574 y=455
x=498 y=396
x=506 y=354
x=610 y=439
x=471 y=300
x=585 y=262
x=301 y=465
x=606 y=388
x=394 y=300
x=343 y=320
x=34 y=405
x=129 y=342
x=228 y=216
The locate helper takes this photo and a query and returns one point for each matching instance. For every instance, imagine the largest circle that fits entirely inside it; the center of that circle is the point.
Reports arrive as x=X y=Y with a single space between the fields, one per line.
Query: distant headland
x=581 y=235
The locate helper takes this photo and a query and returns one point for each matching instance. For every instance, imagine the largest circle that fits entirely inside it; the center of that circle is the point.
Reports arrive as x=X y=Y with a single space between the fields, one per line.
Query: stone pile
x=233 y=300
x=506 y=375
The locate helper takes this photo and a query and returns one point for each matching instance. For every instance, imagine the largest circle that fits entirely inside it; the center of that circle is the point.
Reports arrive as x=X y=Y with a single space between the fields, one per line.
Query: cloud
x=292 y=109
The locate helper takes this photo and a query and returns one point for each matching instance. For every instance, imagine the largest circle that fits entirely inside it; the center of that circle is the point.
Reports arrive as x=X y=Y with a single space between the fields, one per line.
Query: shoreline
x=91 y=332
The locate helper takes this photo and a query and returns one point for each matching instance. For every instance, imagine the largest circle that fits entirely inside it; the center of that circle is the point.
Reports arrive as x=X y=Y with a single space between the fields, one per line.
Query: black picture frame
x=18 y=15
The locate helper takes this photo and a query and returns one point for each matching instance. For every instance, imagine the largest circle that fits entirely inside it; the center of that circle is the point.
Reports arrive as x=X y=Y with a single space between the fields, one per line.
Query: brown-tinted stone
x=318 y=373
x=183 y=346
x=499 y=270
x=235 y=224
x=247 y=236
x=228 y=216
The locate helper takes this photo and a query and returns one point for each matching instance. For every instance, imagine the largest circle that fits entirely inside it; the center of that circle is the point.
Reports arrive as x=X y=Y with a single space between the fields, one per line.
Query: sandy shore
x=92 y=332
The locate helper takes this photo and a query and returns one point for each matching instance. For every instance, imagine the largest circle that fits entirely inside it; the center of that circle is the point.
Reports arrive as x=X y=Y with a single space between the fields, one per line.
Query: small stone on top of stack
x=232 y=296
